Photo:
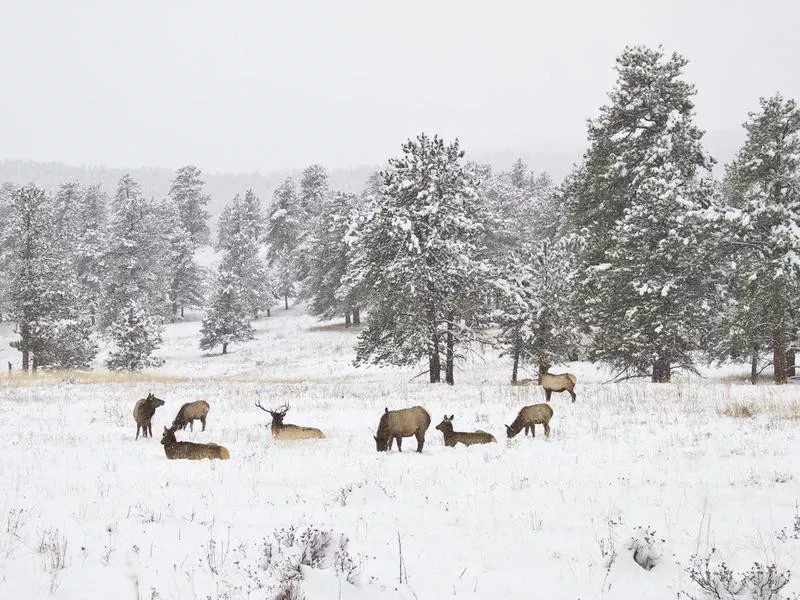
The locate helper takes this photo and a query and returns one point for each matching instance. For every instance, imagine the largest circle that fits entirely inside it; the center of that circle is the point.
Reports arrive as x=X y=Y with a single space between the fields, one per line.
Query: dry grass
x=788 y=410
x=741 y=410
x=335 y=327
x=18 y=379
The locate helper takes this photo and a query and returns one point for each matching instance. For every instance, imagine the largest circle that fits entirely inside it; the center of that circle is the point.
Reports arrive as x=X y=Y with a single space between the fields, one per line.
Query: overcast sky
x=245 y=86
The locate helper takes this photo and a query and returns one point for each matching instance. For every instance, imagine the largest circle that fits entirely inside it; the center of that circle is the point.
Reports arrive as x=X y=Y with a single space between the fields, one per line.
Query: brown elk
x=451 y=438
x=397 y=424
x=562 y=382
x=189 y=450
x=529 y=417
x=143 y=413
x=287 y=431
x=190 y=412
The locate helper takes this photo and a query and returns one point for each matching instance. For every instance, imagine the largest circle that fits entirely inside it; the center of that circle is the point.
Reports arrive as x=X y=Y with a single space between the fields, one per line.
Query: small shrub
x=739 y=410
x=646 y=547
x=761 y=582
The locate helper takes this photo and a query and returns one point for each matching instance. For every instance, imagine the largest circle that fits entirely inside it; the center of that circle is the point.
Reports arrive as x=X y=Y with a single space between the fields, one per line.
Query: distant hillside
x=155 y=182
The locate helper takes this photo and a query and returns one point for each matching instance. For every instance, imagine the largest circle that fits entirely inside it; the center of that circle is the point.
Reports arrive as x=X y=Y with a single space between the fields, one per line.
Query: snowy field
x=87 y=512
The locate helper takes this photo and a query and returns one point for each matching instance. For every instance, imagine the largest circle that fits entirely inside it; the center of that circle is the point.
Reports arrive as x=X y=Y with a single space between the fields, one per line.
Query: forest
x=640 y=259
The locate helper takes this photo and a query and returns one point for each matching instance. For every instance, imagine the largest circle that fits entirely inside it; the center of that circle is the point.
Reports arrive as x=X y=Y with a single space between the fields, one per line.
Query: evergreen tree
x=227 y=318
x=419 y=255
x=90 y=248
x=314 y=191
x=42 y=294
x=187 y=194
x=763 y=218
x=137 y=278
x=284 y=232
x=636 y=206
x=186 y=277
x=6 y=193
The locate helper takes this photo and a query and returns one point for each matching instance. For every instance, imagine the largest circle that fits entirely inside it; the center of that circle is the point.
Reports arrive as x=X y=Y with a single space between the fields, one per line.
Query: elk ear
x=376 y=437
x=507 y=427
x=385 y=410
x=451 y=417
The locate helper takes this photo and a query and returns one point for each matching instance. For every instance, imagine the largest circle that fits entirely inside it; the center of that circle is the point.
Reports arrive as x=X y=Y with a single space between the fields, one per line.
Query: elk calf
x=143 y=413
x=189 y=450
x=529 y=417
x=190 y=412
x=287 y=431
x=397 y=424
x=563 y=382
x=451 y=438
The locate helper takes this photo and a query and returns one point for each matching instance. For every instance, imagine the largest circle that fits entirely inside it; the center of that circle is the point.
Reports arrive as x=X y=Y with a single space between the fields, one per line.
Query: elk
x=397 y=424
x=281 y=431
x=556 y=383
x=529 y=417
x=451 y=438
x=190 y=412
x=189 y=450
x=143 y=413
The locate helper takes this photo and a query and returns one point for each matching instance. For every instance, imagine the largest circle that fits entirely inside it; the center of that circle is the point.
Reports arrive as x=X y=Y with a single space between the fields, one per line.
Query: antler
x=280 y=412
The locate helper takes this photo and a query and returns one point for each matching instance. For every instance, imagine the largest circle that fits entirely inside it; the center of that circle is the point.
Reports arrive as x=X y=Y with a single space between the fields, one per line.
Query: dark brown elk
x=143 y=413
x=397 y=424
x=451 y=438
x=563 y=382
x=529 y=417
x=189 y=450
x=287 y=431
x=190 y=412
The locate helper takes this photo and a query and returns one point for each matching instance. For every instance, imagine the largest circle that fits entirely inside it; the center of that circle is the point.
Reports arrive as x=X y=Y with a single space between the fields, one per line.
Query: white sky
x=262 y=85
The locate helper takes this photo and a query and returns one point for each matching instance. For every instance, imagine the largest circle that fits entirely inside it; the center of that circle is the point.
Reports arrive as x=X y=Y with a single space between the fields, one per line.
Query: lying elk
x=287 y=431
x=397 y=424
x=189 y=450
x=143 y=414
x=451 y=438
x=190 y=412
x=529 y=417
x=556 y=383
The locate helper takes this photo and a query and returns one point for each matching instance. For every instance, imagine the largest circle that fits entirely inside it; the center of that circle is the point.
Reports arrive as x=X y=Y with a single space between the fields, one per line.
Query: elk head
x=277 y=415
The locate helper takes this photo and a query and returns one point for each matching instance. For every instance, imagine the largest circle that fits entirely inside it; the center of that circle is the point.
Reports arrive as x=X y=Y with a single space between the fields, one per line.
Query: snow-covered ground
x=87 y=512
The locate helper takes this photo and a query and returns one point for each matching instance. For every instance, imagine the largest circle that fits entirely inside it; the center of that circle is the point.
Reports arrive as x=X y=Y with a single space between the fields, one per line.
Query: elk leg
x=399 y=444
x=547 y=430
x=533 y=430
x=547 y=394
x=191 y=425
x=137 y=430
x=203 y=421
x=571 y=393
x=527 y=430
x=421 y=441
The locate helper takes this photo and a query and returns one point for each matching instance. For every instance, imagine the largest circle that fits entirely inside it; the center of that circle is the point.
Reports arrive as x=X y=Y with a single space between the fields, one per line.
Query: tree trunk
x=515 y=368
x=181 y=311
x=434 y=365
x=448 y=374
x=34 y=364
x=174 y=308
x=268 y=313
x=662 y=371
x=790 y=366
x=25 y=360
x=754 y=366
x=356 y=316
x=779 y=347
x=347 y=322
x=286 y=301
x=255 y=315
x=225 y=347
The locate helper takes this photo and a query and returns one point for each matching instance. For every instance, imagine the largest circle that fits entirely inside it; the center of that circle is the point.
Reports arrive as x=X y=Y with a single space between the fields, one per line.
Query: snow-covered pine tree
x=418 y=253
x=284 y=233
x=187 y=193
x=239 y=233
x=314 y=190
x=328 y=262
x=227 y=319
x=763 y=191
x=635 y=203
x=43 y=299
x=186 y=277
x=137 y=279
x=90 y=248
x=66 y=214
x=6 y=193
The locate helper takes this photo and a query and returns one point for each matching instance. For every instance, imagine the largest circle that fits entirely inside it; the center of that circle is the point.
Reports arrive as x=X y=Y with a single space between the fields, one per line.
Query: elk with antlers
x=286 y=431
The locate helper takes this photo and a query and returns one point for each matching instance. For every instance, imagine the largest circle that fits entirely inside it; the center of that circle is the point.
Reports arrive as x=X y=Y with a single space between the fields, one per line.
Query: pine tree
x=329 y=257
x=284 y=231
x=419 y=255
x=187 y=194
x=636 y=205
x=186 y=277
x=42 y=295
x=763 y=217
x=135 y=298
x=90 y=248
x=227 y=318
x=314 y=191
x=6 y=194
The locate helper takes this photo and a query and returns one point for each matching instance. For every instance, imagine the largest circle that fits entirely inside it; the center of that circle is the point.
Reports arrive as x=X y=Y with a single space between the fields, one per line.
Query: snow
x=523 y=518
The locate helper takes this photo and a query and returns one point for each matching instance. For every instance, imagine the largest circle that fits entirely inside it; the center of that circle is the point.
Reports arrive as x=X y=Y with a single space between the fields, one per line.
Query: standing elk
x=190 y=412
x=529 y=417
x=287 y=431
x=451 y=438
x=563 y=382
x=397 y=424
x=189 y=450
x=143 y=413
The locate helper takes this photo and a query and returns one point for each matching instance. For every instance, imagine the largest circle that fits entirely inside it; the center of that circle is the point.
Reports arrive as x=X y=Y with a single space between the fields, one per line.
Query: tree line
x=639 y=259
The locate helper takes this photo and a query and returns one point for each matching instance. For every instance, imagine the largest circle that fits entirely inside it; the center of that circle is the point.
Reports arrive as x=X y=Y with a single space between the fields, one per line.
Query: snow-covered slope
x=86 y=511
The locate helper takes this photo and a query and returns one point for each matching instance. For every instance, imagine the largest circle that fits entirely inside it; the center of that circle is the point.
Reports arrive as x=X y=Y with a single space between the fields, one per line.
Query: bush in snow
x=761 y=582
x=646 y=547
x=136 y=334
